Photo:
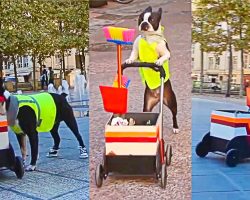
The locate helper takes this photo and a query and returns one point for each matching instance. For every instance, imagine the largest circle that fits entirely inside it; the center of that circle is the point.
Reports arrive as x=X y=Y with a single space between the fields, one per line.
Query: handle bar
x=147 y=65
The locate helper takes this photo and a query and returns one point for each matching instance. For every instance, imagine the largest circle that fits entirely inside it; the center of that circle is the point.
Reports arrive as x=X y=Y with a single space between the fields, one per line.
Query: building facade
x=216 y=66
x=25 y=65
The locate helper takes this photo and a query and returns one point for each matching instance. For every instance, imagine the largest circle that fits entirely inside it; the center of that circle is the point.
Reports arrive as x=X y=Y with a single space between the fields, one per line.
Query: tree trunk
x=84 y=66
x=242 y=73
x=230 y=71
x=61 y=71
x=63 y=65
x=202 y=71
x=1 y=65
x=15 y=72
x=80 y=59
x=34 y=72
x=40 y=63
x=242 y=64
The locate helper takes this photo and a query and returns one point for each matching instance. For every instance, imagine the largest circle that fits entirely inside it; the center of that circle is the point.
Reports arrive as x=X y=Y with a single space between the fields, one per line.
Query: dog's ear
x=159 y=13
x=148 y=9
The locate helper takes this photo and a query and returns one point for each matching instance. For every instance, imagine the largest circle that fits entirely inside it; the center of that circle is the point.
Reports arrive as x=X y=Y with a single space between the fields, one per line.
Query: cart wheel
x=99 y=175
x=163 y=175
x=158 y=164
x=168 y=153
x=201 y=150
x=19 y=170
x=232 y=157
x=105 y=167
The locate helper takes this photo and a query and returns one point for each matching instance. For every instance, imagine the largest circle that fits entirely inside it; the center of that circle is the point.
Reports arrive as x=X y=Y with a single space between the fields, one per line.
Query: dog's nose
x=144 y=26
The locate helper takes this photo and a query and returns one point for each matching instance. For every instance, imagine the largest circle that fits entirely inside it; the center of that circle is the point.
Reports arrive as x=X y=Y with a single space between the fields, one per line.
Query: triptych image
x=124 y=99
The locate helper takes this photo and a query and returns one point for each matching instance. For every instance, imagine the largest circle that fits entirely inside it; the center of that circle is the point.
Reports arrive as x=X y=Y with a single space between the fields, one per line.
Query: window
x=210 y=63
x=7 y=65
x=217 y=62
x=19 y=62
x=234 y=79
x=26 y=61
x=58 y=60
x=245 y=59
x=235 y=61
x=193 y=48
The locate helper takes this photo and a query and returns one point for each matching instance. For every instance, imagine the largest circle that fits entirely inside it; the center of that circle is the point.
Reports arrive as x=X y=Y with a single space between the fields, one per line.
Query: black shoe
x=53 y=153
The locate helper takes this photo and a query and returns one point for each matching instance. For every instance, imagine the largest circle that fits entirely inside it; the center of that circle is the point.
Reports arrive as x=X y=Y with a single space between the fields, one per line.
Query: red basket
x=114 y=99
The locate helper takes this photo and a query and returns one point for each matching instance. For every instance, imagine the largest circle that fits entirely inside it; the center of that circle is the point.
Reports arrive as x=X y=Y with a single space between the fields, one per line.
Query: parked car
x=12 y=79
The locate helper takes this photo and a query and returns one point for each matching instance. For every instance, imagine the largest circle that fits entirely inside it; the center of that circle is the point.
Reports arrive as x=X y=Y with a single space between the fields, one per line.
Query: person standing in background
x=44 y=77
x=51 y=76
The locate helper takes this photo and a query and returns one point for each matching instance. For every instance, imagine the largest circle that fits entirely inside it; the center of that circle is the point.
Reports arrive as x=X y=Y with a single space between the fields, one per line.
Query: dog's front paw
x=175 y=130
x=160 y=62
x=30 y=168
x=129 y=61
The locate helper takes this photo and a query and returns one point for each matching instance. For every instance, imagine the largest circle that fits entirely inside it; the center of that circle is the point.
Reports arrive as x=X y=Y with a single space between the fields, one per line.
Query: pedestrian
x=51 y=76
x=44 y=77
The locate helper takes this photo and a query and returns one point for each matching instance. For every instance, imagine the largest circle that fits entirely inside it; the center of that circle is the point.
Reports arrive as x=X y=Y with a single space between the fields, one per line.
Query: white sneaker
x=83 y=152
x=30 y=168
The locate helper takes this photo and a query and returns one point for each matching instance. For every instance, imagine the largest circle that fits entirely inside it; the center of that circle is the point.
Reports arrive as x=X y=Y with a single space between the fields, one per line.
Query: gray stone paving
x=212 y=179
x=65 y=177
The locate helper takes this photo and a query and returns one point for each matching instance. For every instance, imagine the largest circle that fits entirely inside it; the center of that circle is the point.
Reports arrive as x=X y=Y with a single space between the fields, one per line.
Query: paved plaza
x=212 y=179
x=103 y=66
x=65 y=177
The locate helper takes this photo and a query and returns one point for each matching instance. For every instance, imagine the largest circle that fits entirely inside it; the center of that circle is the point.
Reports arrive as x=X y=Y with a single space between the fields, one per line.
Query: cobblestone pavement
x=65 y=177
x=177 y=22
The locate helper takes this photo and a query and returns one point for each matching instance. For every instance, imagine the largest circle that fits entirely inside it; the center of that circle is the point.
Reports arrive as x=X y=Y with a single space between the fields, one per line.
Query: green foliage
x=221 y=25
x=42 y=28
x=218 y=23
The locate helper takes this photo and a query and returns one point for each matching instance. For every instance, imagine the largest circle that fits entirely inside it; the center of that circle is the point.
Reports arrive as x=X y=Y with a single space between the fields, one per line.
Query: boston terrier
x=151 y=46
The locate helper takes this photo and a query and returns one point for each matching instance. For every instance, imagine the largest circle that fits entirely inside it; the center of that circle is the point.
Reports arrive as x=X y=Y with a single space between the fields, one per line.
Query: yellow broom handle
x=119 y=61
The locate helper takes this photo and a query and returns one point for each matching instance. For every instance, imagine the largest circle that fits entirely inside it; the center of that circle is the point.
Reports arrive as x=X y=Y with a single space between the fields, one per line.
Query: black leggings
x=70 y=121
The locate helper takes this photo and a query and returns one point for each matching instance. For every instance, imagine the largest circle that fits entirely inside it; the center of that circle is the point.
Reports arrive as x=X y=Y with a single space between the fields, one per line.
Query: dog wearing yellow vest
x=151 y=46
x=42 y=112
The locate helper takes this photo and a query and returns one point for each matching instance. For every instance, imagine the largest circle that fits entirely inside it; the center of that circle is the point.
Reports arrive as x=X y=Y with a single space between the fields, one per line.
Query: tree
x=219 y=28
x=198 y=36
x=42 y=28
x=40 y=31
x=81 y=29
x=241 y=24
x=13 y=40
x=72 y=32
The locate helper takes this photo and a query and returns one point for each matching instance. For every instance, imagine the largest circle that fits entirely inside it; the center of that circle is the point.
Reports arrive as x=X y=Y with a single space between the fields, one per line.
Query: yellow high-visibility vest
x=148 y=53
x=44 y=107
